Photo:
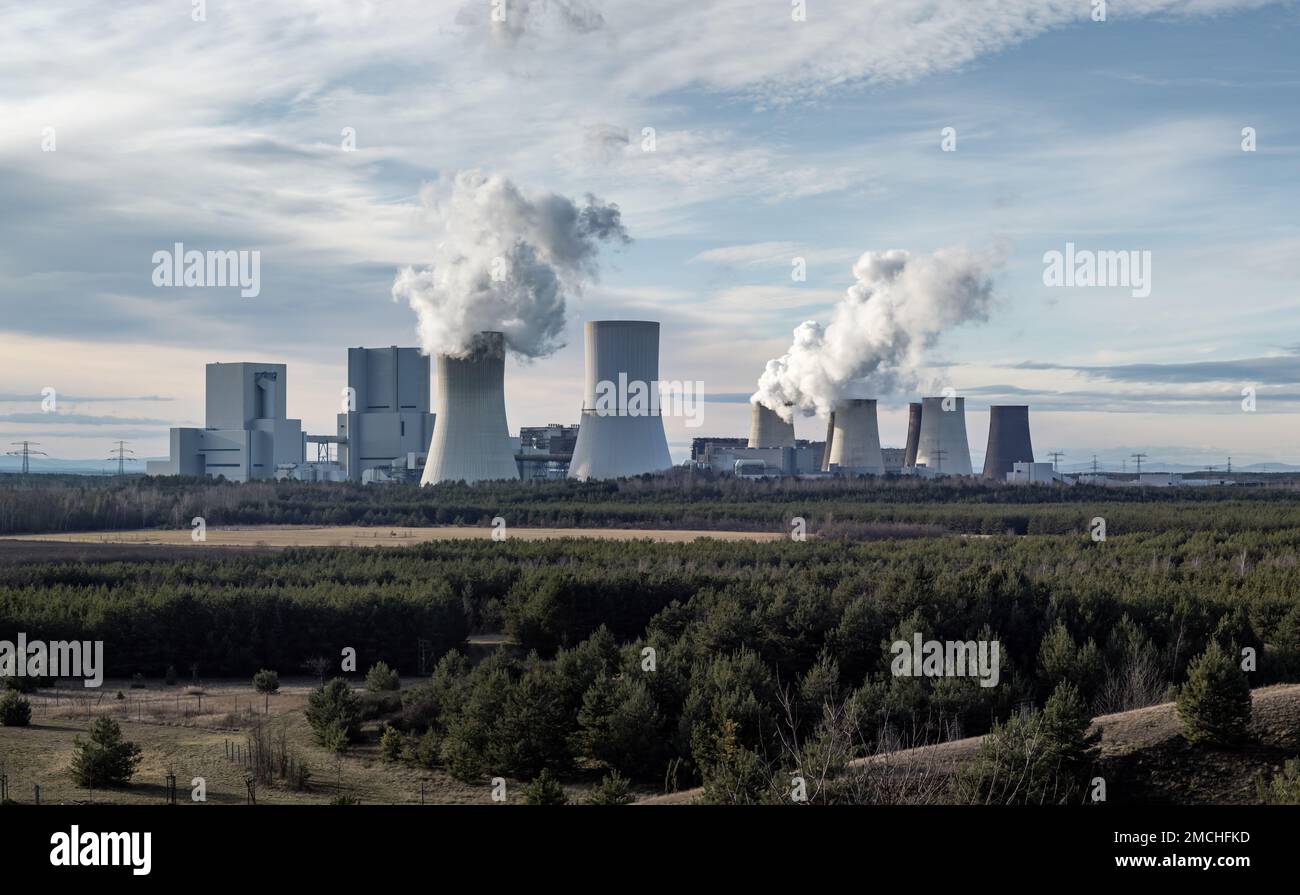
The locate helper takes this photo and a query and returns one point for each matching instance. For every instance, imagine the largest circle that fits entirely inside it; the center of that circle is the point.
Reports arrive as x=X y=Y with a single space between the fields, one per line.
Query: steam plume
x=881 y=329
x=504 y=262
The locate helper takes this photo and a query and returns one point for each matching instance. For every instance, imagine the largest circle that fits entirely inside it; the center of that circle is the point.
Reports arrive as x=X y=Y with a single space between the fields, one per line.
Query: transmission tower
x=939 y=454
x=1094 y=464
x=25 y=453
x=1139 y=458
x=120 y=454
x=1056 y=457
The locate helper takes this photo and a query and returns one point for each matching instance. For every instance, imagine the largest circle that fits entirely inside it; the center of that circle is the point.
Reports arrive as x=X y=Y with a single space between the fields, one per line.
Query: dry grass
x=380 y=536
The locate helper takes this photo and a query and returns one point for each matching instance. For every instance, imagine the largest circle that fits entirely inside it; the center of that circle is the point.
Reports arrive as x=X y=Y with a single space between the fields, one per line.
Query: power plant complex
x=387 y=431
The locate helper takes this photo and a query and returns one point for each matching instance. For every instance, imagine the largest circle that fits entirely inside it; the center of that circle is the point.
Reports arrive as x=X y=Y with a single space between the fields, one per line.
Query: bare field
x=192 y=731
x=379 y=536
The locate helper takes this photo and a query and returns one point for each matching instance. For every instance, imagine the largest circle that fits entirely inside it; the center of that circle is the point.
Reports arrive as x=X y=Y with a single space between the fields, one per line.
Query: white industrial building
x=471 y=441
x=1032 y=474
x=247 y=434
x=855 y=439
x=387 y=427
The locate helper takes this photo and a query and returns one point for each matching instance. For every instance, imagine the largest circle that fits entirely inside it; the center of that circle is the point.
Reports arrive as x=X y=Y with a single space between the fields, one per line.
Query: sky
x=313 y=133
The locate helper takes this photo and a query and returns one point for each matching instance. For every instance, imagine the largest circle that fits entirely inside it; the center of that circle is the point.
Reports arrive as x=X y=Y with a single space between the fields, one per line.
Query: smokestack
x=767 y=429
x=470 y=440
x=1008 y=440
x=621 y=432
x=942 y=445
x=830 y=440
x=857 y=438
x=913 y=433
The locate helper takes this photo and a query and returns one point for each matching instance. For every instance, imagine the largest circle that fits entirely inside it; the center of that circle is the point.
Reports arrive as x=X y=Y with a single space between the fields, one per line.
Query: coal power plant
x=471 y=441
x=855 y=439
x=621 y=431
x=942 y=446
x=913 y=434
x=767 y=429
x=1009 y=441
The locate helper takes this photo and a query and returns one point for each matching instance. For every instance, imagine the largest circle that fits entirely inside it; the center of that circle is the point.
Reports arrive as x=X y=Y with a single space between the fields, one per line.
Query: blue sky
x=774 y=139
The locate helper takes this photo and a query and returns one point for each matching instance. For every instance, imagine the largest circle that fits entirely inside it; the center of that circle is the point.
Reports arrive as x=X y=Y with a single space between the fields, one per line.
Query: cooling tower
x=767 y=429
x=470 y=439
x=856 y=438
x=942 y=444
x=620 y=433
x=830 y=440
x=913 y=434
x=1008 y=440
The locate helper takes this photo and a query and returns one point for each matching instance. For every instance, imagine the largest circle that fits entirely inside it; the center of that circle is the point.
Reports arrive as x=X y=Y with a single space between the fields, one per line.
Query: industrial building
x=941 y=445
x=247 y=434
x=616 y=437
x=386 y=428
x=545 y=451
x=471 y=441
x=1009 y=441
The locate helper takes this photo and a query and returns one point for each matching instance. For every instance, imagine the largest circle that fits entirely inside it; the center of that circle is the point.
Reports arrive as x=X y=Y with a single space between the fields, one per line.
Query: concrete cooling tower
x=830 y=441
x=913 y=434
x=855 y=444
x=942 y=445
x=767 y=429
x=470 y=440
x=1008 y=440
x=618 y=434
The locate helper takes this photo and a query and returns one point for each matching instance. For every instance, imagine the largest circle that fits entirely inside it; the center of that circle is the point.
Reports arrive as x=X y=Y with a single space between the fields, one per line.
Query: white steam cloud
x=881 y=329
x=504 y=262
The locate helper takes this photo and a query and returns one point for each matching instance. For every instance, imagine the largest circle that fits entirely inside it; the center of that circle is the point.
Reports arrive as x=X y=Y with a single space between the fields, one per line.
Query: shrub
x=380 y=678
x=15 y=710
x=545 y=790
x=619 y=725
x=24 y=684
x=428 y=750
x=266 y=681
x=1034 y=758
x=1215 y=702
x=614 y=789
x=733 y=775
x=106 y=759
x=1283 y=789
x=391 y=743
x=334 y=712
x=345 y=800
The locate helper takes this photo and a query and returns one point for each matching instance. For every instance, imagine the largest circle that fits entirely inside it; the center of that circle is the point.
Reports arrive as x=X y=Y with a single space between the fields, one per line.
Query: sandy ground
x=380 y=536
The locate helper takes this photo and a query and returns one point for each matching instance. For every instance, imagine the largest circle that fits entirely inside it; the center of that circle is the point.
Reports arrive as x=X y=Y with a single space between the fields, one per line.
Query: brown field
x=378 y=536
x=188 y=730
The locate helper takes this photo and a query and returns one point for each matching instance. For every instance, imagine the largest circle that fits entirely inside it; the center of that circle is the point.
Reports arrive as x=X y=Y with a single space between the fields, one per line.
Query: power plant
x=1009 y=441
x=386 y=422
x=621 y=432
x=913 y=434
x=942 y=446
x=855 y=439
x=471 y=441
x=767 y=429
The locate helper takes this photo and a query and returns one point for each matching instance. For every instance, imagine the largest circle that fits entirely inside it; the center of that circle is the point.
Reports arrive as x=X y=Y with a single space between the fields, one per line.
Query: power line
x=1056 y=458
x=25 y=453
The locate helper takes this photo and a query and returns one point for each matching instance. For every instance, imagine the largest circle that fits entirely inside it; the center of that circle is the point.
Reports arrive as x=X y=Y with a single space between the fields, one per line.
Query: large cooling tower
x=470 y=439
x=855 y=445
x=767 y=429
x=1008 y=440
x=618 y=435
x=942 y=445
x=913 y=434
x=830 y=441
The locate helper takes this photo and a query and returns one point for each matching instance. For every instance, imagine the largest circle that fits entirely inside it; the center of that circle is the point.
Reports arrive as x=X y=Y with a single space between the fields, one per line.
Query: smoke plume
x=881 y=329
x=504 y=262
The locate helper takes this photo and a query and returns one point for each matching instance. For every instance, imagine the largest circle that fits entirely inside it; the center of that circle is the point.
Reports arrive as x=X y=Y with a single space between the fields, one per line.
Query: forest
x=669 y=662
